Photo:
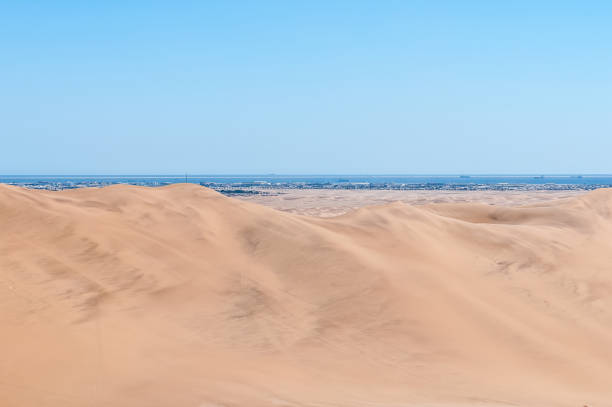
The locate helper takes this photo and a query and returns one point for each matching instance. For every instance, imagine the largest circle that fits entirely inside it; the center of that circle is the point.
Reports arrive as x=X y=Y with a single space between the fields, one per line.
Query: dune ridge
x=179 y=296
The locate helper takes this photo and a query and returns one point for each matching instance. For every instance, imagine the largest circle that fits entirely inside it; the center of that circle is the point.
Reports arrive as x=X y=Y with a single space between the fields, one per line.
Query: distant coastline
x=258 y=184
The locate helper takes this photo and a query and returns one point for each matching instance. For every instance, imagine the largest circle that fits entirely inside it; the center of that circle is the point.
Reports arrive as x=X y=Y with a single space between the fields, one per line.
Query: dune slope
x=178 y=296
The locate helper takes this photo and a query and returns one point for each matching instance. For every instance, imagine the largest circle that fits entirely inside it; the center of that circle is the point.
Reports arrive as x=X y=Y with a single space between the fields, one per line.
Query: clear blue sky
x=401 y=87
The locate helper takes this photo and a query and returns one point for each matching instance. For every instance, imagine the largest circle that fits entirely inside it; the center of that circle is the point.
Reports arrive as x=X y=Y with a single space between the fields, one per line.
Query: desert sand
x=334 y=202
x=179 y=296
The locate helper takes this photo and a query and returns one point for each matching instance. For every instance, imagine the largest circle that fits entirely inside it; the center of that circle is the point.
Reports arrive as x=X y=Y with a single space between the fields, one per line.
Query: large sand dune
x=178 y=296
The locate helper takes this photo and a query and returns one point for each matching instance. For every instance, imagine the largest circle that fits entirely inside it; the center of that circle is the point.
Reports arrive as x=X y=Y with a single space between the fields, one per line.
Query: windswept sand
x=334 y=202
x=178 y=296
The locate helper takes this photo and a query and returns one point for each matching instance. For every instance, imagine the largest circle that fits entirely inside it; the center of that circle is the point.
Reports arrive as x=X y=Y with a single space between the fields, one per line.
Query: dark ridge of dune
x=180 y=296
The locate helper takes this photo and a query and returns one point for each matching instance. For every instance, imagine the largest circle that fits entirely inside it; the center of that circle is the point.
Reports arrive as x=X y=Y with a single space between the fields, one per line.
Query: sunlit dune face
x=179 y=296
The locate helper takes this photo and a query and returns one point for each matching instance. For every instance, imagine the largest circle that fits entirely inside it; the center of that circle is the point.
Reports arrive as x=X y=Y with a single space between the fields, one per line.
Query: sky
x=309 y=87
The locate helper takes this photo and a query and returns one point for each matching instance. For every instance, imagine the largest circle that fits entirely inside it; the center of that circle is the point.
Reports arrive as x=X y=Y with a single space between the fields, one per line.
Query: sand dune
x=334 y=202
x=179 y=296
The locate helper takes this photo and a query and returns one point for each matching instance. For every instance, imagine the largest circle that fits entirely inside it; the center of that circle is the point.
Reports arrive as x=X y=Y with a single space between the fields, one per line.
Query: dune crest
x=180 y=296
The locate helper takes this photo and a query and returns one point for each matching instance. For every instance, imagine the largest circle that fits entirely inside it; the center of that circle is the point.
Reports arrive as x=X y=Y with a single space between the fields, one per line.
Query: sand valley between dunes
x=178 y=296
x=334 y=202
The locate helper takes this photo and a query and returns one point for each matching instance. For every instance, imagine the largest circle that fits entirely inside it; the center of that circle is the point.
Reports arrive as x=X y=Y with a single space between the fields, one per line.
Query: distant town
x=238 y=186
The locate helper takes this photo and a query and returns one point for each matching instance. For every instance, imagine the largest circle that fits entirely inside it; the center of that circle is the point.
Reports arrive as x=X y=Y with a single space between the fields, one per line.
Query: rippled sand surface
x=320 y=202
x=178 y=296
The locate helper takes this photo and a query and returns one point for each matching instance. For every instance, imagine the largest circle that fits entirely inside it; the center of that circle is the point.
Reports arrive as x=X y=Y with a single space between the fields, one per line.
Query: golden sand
x=179 y=296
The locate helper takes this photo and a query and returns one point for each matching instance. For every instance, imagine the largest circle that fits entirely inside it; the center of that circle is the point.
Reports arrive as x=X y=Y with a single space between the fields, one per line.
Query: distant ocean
x=435 y=181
